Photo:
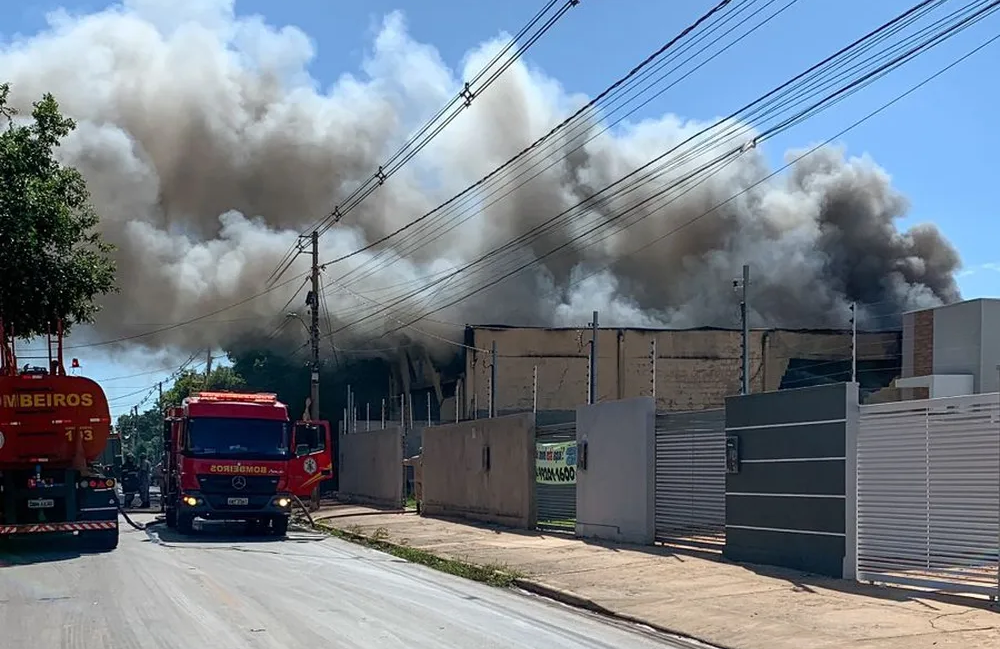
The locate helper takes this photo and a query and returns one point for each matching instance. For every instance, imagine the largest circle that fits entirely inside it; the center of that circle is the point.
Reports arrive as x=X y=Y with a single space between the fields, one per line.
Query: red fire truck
x=53 y=427
x=238 y=456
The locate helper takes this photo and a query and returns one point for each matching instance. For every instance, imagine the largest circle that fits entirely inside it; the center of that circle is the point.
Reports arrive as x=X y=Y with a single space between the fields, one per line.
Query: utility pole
x=160 y=390
x=745 y=327
x=314 y=330
x=208 y=368
x=854 y=342
x=593 y=360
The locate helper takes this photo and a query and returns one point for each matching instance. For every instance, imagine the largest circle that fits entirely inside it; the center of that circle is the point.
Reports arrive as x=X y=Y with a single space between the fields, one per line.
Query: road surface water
x=215 y=589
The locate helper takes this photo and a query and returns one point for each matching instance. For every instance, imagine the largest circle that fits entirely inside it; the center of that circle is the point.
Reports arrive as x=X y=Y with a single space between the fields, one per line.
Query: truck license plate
x=41 y=503
x=238 y=501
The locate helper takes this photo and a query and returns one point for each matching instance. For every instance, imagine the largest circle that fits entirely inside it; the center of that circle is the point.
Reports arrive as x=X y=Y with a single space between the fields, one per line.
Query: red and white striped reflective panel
x=84 y=526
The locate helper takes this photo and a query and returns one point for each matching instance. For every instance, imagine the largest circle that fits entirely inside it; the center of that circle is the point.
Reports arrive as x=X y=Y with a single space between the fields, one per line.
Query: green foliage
x=54 y=264
x=190 y=381
x=269 y=371
x=142 y=434
x=493 y=574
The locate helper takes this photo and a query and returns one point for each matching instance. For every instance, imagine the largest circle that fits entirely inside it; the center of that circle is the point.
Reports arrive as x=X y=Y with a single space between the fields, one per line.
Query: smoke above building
x=208 y=147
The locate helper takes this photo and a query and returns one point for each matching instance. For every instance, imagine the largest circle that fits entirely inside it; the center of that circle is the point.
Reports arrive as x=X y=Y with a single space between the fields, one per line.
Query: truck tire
x=279 y=525
x=185 y=523
x=171 y=518
x=100 y=541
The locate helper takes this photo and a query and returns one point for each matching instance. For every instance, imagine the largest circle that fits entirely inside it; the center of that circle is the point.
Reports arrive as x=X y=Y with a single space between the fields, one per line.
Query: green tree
x=142 y=434
x=191 y=381
x=54 y=264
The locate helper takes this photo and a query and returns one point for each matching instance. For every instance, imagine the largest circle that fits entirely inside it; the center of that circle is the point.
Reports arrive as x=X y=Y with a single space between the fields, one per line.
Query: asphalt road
x=161 y=591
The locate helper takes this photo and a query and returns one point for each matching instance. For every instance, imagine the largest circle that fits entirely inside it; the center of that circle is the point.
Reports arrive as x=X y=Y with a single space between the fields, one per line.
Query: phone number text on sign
x=555 y=463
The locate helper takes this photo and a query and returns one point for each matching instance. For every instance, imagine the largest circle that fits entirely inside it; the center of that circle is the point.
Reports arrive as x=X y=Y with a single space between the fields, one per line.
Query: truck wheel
x=185 y=523
x=280 y=525
x=100 y=541
x=171 y=518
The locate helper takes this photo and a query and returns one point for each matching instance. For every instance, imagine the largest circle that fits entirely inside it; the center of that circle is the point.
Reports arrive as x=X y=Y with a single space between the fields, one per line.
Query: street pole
x=854 y=342
x=314 y=331
x=593 y=360
x=383 y=413
x=428 y=409
x=160 y=390
x=534 y=389
x=493 y=379
x=652 y=370
x=350 y=407
x=745 y=338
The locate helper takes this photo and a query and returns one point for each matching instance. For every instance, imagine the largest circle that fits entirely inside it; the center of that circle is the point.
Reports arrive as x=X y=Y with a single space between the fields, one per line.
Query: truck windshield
x=225 y=437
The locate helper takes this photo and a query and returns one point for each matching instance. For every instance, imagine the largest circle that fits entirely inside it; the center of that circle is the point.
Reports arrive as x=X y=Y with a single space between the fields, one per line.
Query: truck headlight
x=284 y=502
x=191 y=501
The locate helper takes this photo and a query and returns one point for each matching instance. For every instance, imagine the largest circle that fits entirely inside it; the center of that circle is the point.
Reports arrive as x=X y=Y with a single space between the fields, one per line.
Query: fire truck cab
x=237 y=456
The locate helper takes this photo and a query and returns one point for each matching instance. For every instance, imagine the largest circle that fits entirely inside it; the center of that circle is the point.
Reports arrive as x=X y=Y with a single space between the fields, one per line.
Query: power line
x=787 y=123
x=755 y=107
x=268 y=290
x=274 y=284
x=419 y=140
x=467 y=193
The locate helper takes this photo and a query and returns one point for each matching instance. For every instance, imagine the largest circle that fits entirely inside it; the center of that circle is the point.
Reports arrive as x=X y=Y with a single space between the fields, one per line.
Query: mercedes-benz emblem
x=239 y=482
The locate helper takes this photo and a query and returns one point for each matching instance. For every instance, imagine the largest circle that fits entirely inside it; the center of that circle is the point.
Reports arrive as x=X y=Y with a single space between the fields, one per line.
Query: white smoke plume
x=208 y=147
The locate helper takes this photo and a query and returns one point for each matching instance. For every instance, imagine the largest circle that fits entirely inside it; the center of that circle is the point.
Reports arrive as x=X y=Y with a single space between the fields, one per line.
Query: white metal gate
x=691 y=477
x=928 y=490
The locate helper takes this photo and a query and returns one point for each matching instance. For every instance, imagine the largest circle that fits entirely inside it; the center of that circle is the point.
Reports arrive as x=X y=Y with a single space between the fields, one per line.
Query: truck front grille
x=224 y=484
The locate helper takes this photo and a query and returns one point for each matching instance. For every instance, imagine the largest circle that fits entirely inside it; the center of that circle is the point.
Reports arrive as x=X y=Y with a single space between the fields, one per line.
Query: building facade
x=694 y=369
x=951 y=350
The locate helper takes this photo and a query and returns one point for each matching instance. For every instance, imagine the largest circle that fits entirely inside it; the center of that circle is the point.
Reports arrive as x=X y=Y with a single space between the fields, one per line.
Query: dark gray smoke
x=208 y=147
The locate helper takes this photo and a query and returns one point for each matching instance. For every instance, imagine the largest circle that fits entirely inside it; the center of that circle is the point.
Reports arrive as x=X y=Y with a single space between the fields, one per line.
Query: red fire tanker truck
x=53 y=427
x=238 y=456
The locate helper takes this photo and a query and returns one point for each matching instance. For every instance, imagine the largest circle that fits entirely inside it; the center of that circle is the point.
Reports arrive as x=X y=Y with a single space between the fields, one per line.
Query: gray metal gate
x=691 y=478
x=556 y=502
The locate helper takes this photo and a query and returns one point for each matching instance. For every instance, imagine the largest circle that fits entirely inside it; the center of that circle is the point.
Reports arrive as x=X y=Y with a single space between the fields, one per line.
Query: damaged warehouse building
x=547 y=369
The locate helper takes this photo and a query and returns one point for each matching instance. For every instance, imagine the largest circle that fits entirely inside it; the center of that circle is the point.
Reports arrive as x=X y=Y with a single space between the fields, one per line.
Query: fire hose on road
x=142 y=527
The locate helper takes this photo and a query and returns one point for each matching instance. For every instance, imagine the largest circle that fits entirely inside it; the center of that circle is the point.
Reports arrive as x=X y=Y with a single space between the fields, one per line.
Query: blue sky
x=939 y=144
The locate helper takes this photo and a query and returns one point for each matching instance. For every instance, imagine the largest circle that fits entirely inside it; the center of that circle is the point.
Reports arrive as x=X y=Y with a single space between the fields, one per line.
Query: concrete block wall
x=695 y=369
x=482 y=470
x=616 y=490
x=371 y=466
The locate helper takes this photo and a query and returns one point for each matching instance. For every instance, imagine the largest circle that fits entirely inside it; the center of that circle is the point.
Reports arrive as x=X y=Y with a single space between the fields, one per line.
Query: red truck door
x=313 y=461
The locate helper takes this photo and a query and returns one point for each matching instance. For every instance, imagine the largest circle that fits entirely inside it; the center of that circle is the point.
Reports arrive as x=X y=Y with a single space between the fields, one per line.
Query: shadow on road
x=221 y=532
x=48 y=549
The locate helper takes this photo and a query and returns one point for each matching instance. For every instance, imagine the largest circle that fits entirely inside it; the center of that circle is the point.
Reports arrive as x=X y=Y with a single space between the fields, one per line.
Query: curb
x=562 y=596
x=576 y=601
x=557 y=595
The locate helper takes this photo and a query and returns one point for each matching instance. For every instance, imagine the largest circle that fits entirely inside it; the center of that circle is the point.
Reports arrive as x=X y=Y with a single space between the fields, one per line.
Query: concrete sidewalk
x=730 y=605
